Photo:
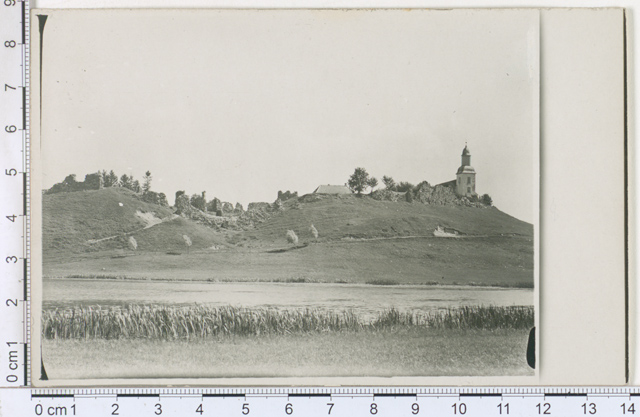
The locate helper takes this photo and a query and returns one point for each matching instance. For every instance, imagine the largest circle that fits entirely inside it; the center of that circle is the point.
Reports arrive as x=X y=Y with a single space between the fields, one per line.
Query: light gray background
x=246 y=103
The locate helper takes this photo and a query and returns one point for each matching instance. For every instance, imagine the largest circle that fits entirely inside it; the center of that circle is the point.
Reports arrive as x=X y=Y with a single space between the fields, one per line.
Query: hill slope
x=340 y=217
x=360 y=240
x=90 y=221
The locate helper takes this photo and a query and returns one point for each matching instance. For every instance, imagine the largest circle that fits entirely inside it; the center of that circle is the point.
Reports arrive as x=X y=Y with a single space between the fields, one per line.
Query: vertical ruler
x=14 y=193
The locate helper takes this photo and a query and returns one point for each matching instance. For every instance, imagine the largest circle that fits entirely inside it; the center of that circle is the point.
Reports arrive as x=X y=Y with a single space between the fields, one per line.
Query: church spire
x=466 y=175
x=466 y=156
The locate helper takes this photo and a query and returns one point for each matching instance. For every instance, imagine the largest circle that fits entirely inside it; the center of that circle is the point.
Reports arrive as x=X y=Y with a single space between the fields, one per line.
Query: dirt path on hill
x=359 y=239
x=149 y=225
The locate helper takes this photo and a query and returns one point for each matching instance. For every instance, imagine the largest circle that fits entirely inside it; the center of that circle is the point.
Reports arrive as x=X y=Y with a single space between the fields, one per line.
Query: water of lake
x=362 y=299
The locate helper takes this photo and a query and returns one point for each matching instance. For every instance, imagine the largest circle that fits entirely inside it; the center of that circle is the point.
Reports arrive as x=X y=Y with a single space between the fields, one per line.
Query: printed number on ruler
x=13 y=122
x=339 y=402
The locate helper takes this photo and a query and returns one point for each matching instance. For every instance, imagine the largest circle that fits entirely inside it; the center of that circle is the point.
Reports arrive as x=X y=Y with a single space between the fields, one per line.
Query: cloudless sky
x=242 y=104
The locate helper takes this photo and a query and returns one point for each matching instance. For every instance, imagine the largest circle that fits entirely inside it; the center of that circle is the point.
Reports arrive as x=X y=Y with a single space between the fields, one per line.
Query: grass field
x=391 y=352
x=499 y=261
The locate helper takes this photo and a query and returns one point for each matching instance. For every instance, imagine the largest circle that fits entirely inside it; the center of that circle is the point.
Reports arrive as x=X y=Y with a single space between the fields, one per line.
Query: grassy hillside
x=103 y=220
x=360 y=240
x=339 y=217
x=168 y=236
x=71 y=219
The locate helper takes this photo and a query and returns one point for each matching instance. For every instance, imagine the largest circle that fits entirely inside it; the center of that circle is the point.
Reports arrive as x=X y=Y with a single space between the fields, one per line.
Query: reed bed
x=170 y=322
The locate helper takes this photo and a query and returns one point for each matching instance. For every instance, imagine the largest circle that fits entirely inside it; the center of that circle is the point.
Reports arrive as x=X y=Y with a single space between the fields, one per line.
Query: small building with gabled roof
x=333 y=189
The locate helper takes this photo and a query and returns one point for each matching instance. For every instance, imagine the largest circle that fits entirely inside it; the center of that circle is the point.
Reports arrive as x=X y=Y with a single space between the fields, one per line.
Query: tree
x=147 y=182
x=198 y=201
x=126 y=181
x=486 y=200
x=104 y=176
x=292 y=237
x=136 y=186
x=404 y=186
x=111 y=180
x=359 y=180
x=389 y=183
x=373 y=182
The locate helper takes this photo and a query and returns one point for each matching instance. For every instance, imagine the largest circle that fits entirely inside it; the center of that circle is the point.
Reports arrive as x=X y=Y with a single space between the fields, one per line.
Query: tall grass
x=168 y=323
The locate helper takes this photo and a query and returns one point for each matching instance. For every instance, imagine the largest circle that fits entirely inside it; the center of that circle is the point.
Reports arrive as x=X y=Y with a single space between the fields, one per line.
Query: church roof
x=332 y=189
x=450 y=184
x=466 y=169
x=465 y=151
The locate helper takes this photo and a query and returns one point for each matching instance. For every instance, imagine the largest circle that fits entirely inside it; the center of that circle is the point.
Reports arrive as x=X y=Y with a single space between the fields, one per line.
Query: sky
x=242 y=104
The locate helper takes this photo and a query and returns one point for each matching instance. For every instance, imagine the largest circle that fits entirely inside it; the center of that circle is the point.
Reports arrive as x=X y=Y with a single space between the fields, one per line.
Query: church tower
x=466 y=176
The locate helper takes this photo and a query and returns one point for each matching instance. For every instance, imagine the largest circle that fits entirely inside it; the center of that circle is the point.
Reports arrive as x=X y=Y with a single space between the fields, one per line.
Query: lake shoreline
x=362 y=298
x=288 y=282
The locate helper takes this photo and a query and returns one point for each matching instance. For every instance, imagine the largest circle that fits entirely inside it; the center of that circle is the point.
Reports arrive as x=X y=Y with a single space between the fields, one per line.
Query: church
x=466 y=176
x=465 y=182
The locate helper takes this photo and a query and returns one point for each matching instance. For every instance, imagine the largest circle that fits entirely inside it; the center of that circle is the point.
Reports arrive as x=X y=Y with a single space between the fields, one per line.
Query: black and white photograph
x=288 y=193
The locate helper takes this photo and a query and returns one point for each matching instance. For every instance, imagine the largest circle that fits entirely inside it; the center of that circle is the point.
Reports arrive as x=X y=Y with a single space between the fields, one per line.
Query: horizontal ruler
x=347 y=402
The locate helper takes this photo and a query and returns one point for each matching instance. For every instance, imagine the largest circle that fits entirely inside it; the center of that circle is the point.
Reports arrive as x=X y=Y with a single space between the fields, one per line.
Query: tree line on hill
x=360 y=180
x=103 y=179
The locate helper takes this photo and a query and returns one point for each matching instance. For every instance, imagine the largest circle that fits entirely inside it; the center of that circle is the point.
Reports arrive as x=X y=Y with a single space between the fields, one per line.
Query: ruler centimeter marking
x=322 y=401
x=15 y=228
x=27 y=170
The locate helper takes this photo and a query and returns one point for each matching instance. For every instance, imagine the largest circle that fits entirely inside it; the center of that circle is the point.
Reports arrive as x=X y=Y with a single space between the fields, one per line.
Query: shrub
x=292 y=237
x=199 y=201
x=187 y=241
x=284 y=196
x=157 y=198
x=486 y=200
x=409 y=196
x=132 y=243
x=404 y=186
